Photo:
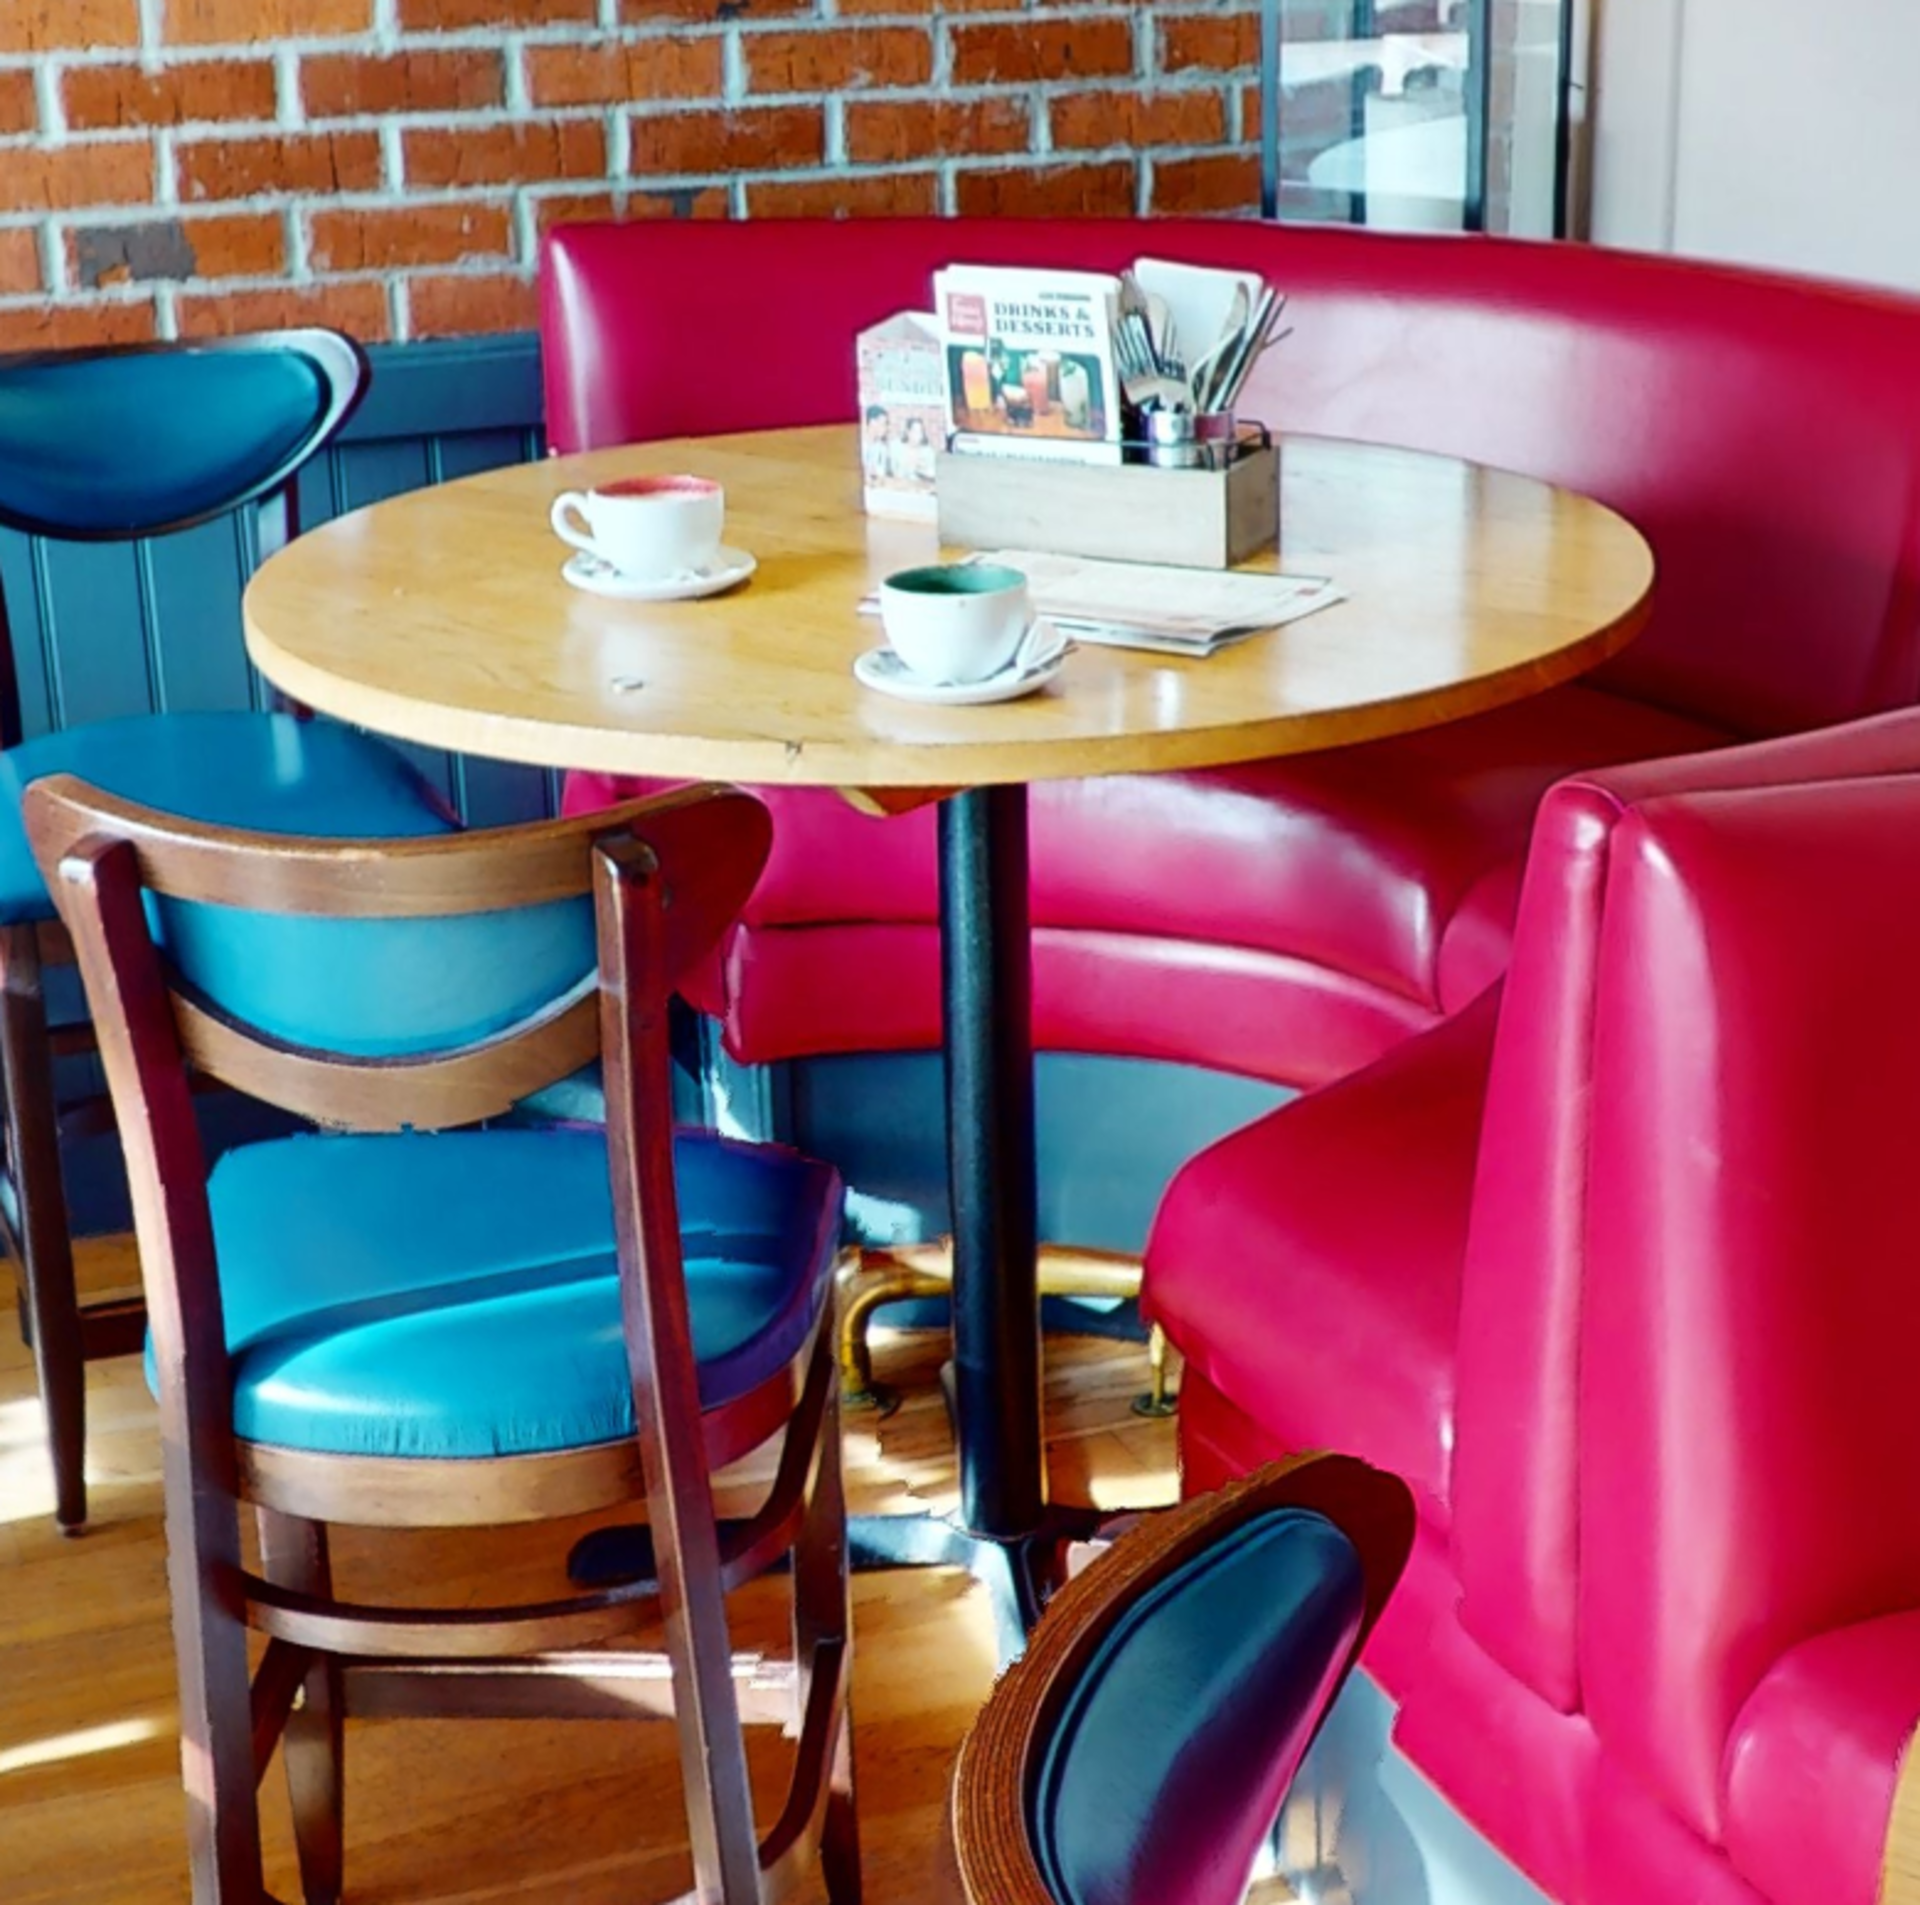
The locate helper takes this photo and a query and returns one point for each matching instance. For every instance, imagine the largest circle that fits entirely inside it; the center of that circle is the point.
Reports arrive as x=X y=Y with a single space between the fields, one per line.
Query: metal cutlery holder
x=1182 y=440
x=1215 y=504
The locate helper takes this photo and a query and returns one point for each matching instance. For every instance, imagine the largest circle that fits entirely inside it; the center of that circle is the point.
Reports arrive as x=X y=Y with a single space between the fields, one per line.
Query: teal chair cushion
x=122 y=445
x=271 y=772
x=455 y=1294
x=1173 y=1754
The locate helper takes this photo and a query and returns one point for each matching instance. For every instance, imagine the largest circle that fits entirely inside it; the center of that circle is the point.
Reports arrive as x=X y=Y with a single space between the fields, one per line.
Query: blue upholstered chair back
x=1176 y=1745
x=104 y=445
x=395 y=982
x=380 y=988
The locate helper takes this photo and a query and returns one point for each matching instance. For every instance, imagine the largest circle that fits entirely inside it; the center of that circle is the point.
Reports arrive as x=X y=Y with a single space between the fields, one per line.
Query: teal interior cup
x=957 y=578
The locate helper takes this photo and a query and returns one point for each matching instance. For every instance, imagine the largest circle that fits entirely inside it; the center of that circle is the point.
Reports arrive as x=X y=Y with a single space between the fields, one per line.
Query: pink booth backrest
x=1689 y=1309
x=1765 y=433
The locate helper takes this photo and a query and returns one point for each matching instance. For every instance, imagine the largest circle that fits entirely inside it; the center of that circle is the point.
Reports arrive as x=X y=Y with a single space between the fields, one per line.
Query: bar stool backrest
x=1141 y=1749
x=140 y=441
x=146 y=439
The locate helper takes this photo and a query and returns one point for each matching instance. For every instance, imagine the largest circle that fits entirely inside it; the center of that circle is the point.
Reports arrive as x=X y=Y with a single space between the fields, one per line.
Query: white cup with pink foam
x=649 y=528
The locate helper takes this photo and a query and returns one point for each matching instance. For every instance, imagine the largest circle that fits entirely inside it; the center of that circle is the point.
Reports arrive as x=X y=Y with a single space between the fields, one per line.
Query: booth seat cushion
x=1324 y=1301
x=793 y=991
x=1371 y=887
x=1179 y=1738
x=1360 y=859
x=271 y=772
x=455 y=1294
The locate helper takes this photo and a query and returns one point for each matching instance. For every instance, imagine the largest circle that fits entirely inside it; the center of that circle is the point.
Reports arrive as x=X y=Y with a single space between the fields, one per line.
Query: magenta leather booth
x=1292 y=920
x=1616 y=1268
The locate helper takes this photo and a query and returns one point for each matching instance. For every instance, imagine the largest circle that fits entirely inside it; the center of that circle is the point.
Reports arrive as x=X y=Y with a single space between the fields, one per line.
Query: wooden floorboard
x=440 y=1813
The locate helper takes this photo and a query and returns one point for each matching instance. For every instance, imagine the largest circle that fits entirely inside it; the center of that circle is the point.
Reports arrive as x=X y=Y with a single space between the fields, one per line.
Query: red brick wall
x=177 y=167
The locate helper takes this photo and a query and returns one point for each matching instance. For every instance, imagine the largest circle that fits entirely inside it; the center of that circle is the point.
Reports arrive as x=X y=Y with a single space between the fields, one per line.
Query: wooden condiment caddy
x=1206 y=518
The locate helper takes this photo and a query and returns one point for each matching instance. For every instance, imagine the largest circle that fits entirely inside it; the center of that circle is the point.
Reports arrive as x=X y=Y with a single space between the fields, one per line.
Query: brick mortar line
x=375 y=43
x=483 y=118
x=400 y=197
x=947 y=165
x=372 y=44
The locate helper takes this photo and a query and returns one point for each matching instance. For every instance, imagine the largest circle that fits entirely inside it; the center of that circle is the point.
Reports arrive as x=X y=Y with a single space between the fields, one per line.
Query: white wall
x=1768 y=132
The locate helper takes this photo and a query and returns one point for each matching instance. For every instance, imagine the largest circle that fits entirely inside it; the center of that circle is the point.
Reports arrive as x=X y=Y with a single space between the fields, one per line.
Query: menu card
x=1029 y=362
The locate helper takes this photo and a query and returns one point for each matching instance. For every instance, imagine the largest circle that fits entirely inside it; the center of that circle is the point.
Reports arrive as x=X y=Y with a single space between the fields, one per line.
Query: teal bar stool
x=113 y=446
x=1140 y=1750
x=425 y=1318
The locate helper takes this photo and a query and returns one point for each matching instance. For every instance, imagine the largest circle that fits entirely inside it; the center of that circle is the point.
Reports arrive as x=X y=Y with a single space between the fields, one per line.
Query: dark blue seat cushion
x=1171 y=1758
x=130 y=444
x=455 y=1294
x=271 y=772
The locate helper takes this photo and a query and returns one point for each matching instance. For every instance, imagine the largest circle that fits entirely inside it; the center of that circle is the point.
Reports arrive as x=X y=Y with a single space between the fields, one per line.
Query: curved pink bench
x=1294 y=919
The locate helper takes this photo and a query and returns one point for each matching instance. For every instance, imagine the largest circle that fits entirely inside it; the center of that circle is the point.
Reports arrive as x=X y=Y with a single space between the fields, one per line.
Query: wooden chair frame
x=65 y=1334
x=1000 y=1760
x=667 y=875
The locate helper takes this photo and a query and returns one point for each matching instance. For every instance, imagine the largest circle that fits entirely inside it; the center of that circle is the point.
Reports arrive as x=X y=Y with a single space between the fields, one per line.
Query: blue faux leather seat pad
x=271 y=772
x=456 y=1294
x=1170 y=1761
x=132 y=444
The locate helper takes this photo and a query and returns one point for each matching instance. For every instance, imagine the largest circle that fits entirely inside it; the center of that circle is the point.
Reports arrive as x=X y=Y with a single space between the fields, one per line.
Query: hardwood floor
x=440 y=1813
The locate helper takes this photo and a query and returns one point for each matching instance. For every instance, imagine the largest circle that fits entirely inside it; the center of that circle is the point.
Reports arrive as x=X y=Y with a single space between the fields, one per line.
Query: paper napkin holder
x=1206 y=518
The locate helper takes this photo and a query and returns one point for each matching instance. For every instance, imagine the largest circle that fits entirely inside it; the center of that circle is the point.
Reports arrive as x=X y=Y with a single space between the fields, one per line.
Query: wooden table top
x=441 y=617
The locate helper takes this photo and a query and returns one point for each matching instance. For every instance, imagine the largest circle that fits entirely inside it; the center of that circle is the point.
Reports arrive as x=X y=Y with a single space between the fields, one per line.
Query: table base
x=1019 y=1572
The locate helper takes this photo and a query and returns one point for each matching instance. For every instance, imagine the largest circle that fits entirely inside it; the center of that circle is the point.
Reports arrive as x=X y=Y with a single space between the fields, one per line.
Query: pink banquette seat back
x=1764 y=433
x=1689 y=1309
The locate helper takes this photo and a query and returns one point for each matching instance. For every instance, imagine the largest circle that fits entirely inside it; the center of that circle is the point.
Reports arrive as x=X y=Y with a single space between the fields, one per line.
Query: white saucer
x=597 y=576
x=882 y=670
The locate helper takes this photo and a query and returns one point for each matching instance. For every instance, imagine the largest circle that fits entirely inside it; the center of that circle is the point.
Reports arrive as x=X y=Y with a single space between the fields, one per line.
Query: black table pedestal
x=1005 y=1532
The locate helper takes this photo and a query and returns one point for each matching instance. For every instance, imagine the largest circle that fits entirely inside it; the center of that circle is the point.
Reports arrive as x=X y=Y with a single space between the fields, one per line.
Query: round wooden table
x=441 y=617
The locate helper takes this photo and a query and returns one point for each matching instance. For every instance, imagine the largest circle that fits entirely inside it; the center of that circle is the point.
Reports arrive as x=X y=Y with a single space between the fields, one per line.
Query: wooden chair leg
x=713 y=1753
x=216 y=1706
x=46 y=1250
x=294 y=1554
x=823 y=1611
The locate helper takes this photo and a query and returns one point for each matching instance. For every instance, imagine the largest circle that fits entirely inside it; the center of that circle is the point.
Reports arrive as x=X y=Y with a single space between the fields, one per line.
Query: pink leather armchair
x=1617 y=1269
x=1291 y=920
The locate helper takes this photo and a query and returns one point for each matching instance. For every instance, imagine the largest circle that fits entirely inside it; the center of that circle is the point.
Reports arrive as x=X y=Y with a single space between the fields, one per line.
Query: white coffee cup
x=960 y=621
x=647 y=527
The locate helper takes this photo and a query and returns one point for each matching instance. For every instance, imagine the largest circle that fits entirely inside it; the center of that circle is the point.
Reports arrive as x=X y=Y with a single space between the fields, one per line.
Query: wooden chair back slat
x=384 y=1094
x=708 y=844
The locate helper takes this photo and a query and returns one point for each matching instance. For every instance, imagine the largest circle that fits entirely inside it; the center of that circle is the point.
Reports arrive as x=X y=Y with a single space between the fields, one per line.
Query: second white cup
x=956 y=621
x=648 y=527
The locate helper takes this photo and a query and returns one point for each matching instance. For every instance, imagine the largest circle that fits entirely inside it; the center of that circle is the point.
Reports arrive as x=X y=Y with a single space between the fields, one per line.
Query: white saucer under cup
x=727 y=570
x=1042 y=654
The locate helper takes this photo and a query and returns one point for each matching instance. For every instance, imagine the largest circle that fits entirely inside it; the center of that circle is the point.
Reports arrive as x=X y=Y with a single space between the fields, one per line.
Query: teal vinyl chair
x=423 y=1317
x=112 y=446
x=1141 y=1748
